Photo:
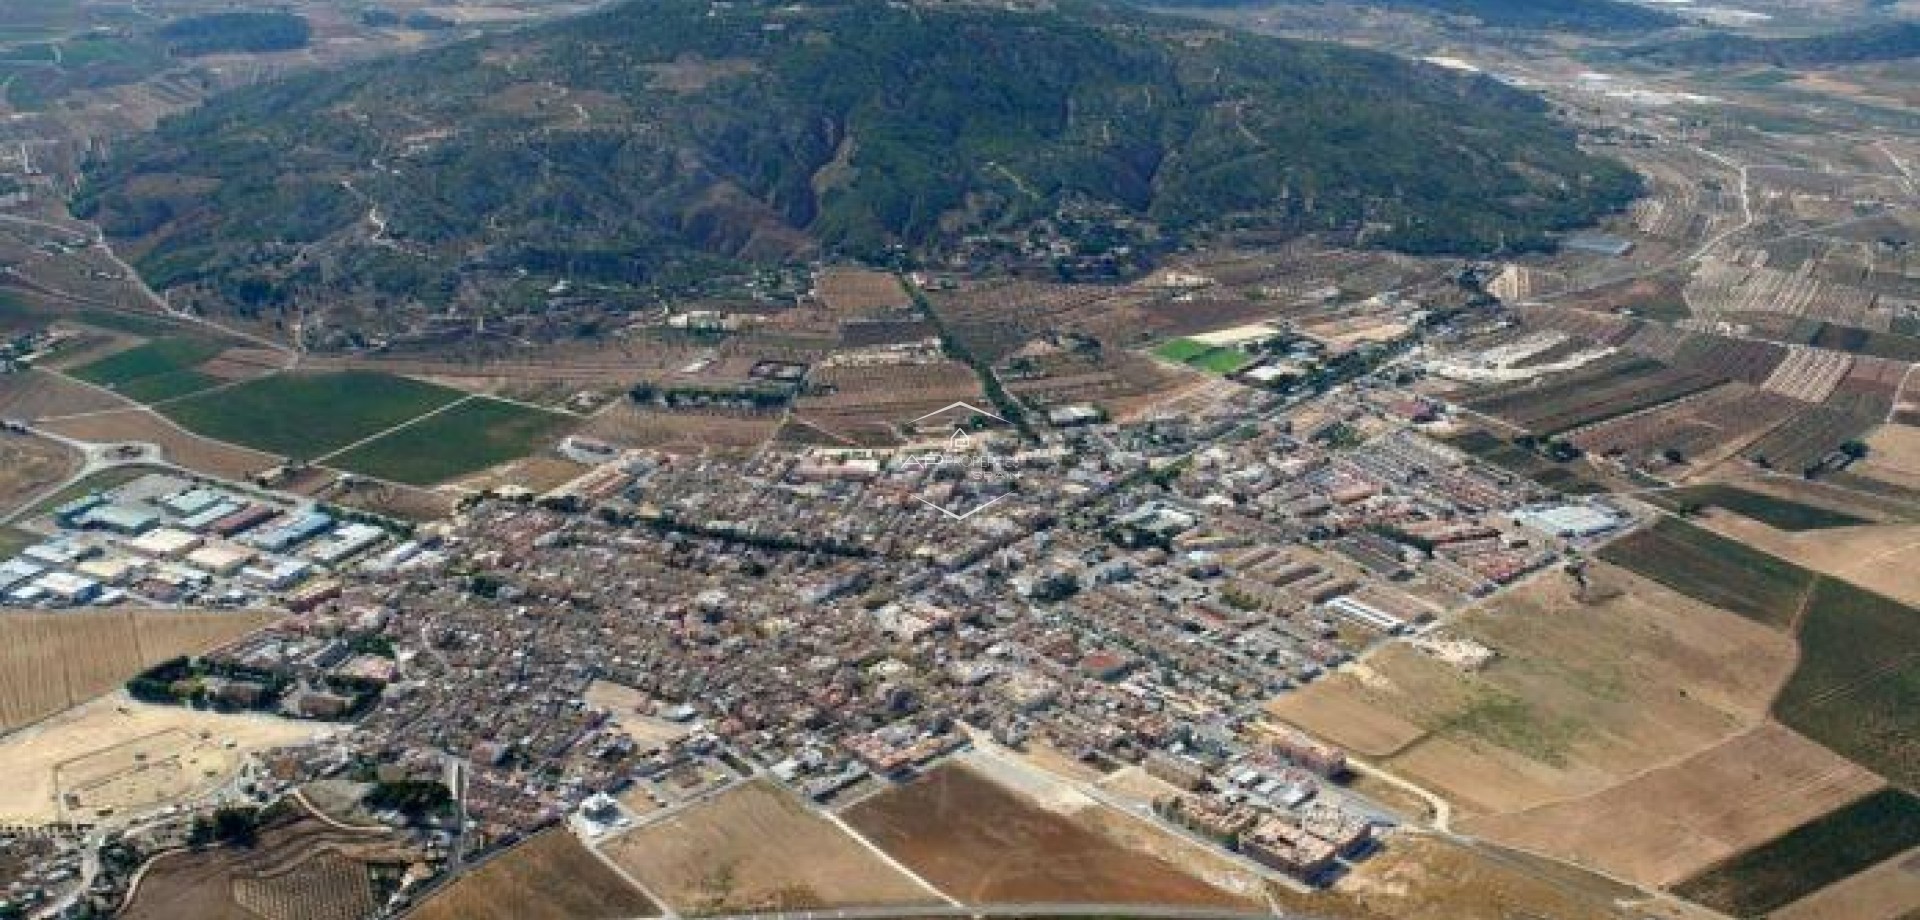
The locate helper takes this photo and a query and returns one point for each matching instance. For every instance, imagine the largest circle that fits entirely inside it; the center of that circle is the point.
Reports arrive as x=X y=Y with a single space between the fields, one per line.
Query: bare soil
x=551 y=876
x=754 y=849
x=983 y=843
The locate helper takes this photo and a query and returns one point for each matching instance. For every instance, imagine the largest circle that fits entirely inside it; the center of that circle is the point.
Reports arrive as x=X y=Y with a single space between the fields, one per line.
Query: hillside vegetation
x=1889 y=42
x=1587 y=16
x=645 y=142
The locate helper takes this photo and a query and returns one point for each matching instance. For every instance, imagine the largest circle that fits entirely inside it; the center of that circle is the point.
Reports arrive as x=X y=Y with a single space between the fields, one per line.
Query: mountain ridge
x=652 y=141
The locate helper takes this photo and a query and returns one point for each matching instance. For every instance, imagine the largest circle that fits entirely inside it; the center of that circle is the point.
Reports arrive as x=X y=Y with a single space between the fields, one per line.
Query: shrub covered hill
x=655 y=139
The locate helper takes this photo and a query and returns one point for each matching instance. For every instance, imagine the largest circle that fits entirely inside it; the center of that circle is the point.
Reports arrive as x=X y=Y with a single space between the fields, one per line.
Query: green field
x=1771 y=510
x=467 y=438
x=1811 y=856
x=1715 y=570
x=160 y=369
x=1856 y=687
x=304 y=416
x=1182 y=350
x=1212 y=358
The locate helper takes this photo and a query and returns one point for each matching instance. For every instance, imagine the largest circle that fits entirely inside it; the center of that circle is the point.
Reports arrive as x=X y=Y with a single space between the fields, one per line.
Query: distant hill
x=1585 y=16
x=653 y=141
x=1888 y=42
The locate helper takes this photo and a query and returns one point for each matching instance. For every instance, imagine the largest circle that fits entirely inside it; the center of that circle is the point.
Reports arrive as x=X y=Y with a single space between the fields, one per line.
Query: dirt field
x=181 y=447
x=631 y=711
x=982 y=842
x=549 y=877
x=39 y=394
x=853 y=290
x=1885 y=892
x=627 y=425
x=757 y=849
x=50 y=661
x=1672 y=822
x=1583 y=695
x=299 y=869
x=29 y=466
x=1416 y=875
x=81 y=743
x=1893 y=455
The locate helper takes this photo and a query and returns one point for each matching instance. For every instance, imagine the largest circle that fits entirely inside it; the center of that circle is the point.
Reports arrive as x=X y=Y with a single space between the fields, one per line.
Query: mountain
x=1883 y=42
x=649 y=143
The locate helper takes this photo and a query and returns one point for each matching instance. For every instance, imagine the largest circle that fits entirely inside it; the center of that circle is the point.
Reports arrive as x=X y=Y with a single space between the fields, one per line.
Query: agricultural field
x=1595 y=393
x=756 y=848
x=37 y=394
x=307 y=415
x=1888 y=891
x=1879 y=558
x=1772 y=510
x=298 y=867
x=551 y=876
x=869 y=405
x=51 y=661
x=1675 y=820
x=29 y=466
x=1593 y=686
x=627 y=424
x=162 y=369
x=1811 y=856
x=472 y=435
x=1704 y=431
x=853 y=290
x=1857 y=685
x=984 y=843
x=177 y=445
x=76 y=751
x=1421 y=875
x=1803 y=441
x=1574 y=478
x=1715 y=570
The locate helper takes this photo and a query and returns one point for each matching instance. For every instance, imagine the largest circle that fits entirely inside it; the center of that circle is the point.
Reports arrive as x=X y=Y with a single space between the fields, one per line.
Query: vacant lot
x=298 y=869
x=471 y=436
x=1772 y=510
x=549 y=877
x=1811 y=856
x=1857 y=686
x=1715 y=570
x=1588 y=690
x=164 y=368
x=29 y=466
x=756 y=848
x=307 y=415
x=37 y=755
x=50 y=661
x=983 y=843
x=1673 y=821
